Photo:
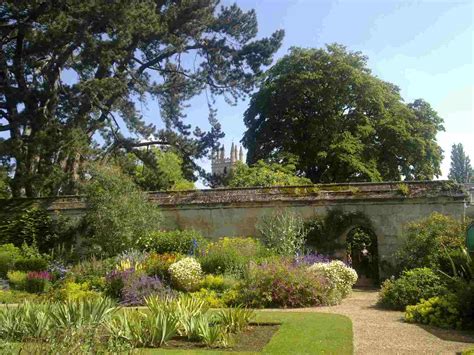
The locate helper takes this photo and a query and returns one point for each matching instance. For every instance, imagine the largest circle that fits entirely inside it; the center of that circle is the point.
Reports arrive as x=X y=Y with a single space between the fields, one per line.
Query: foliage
x=235 y=319
x=429 y=242
x=158 y=265
x=35 y=226
x=13 y=296
x=72 y=291
x=9 y=254
x=339 y=280
x=324 y=232
x=283 y=232
x=17 y=280
x=210 y=297
x=38 y=281
x=461 y=170
x=4 y=182
x=91 y=271
x=175 y=241
x=137 y=289
x=311 y=258
x=186 y=274
x=410 y=287
x=326 y=108
x=119 y=54
x=118 y=212
x=218 y=283
x=155 y=169
x=279 y=283
x=265 y=174
x=35 y=263
x=231 y=255
x=439 y=311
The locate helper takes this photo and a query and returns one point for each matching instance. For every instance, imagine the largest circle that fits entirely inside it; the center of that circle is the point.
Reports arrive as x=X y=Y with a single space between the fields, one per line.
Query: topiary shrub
x=186 y=242
x=410 y=287
x=340 y=279
x=439 y=311
x=186 y=274
x=231 y=255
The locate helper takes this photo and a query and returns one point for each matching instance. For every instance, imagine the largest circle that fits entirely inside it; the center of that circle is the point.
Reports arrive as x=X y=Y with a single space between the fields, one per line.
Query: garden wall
x=234 y=212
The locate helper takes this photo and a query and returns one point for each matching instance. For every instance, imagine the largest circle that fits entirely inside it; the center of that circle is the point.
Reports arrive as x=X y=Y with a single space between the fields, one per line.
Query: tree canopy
x=461 y=170
x=265 y=174
x=155 y=169
x=72 y=71
x=342 y=123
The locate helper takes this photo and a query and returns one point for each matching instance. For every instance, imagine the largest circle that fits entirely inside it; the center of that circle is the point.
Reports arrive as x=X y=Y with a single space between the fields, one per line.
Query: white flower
x=186 y=274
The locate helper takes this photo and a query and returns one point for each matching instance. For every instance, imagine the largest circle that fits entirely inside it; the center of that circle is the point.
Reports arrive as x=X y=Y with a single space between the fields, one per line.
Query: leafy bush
x=38 y=281
x=14 y=296
x=212 y=298
x=231 y=255
x=36 y=263
x=72 y=291
x=116 y=280
x=340 y=279
x=118 y=212
x=439 y=311
x=410 y=287
x=186 y=274
x=158 y=265
x=283 y=232
x=17 y=280
x=35 y=226
x=218 y=283
x=280 y=283
x=9 y=254
x=430 y=242
x=186 y=242
x=91 y=271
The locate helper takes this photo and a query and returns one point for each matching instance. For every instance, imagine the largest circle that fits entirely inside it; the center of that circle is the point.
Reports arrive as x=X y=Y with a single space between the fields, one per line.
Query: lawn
x=299 y=333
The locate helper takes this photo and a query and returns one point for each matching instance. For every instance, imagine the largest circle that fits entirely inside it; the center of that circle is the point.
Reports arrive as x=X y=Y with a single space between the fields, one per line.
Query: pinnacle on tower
x=232 y=150
x=241 y=154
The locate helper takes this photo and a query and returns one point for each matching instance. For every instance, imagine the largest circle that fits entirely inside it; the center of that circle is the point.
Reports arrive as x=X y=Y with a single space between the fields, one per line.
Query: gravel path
x=378 y=331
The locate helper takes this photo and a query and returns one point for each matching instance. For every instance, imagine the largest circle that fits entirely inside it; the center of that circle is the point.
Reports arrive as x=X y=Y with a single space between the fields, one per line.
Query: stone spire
x=222 y=154
x=232 y=151
x=241 y=154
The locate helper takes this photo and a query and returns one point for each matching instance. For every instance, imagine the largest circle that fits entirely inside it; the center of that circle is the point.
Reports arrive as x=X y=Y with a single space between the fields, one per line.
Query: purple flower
x=137 y=289
x=310 y=259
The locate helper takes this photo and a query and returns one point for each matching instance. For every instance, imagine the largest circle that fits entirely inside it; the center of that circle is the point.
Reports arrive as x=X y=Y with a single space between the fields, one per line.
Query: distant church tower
x=220 y=165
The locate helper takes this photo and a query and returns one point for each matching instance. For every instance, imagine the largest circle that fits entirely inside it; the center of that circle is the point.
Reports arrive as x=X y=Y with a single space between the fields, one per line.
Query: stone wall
x=234 y=212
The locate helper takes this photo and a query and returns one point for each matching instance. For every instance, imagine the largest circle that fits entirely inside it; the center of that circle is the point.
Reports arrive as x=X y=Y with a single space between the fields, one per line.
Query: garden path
x=378 y=331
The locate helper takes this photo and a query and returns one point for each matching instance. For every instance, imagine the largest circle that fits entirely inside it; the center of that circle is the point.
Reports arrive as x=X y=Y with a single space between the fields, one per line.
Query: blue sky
x=424 y=47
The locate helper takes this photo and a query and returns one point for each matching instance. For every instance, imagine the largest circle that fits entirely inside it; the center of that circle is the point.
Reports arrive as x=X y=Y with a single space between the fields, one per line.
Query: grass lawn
x=299 y=333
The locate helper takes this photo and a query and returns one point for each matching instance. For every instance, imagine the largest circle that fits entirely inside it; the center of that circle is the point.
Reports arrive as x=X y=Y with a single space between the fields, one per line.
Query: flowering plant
x=158 y=264
x=311 y=258
x=37 y=281
x=131 y=259
x=39 y=275
x=186 y=274
x=136 y=289
x=340 y=278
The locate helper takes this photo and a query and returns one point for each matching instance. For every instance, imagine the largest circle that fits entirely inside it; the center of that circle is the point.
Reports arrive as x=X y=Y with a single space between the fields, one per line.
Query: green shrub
x=14 y=296
x=212 y=298
x=72 y=291
x=231 y=255
x=35 y=226
x=340 y=279
x=430 y=242
x=91 y=271
x=38 y=281
x=283 y=232
x=186 y=242
x=410 y=287
x=158 y=264
x=31 y=264
x=118 y=212
x=218 y=283
x=17 y=280
x=438 y=311
x=186 y=274
x=9 y=254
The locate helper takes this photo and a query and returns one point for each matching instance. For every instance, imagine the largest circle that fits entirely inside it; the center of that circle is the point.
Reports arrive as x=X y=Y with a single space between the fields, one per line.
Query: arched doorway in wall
x=362 y=254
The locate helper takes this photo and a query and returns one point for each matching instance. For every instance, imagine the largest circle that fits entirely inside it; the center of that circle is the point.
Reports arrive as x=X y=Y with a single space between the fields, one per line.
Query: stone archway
x=362 y=254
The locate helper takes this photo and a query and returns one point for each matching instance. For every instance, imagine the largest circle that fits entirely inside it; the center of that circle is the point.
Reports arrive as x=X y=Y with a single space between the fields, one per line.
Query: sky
x=424 y=47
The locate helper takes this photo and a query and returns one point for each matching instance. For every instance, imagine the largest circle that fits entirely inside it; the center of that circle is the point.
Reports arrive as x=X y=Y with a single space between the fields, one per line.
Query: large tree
x=342 y=123
x=461 y=169
x=71 y=70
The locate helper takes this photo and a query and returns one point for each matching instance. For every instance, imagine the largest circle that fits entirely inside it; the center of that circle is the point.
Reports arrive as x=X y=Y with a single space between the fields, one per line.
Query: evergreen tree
x=461 y=169
x=74 y=70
